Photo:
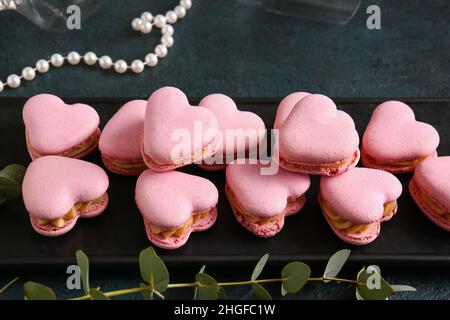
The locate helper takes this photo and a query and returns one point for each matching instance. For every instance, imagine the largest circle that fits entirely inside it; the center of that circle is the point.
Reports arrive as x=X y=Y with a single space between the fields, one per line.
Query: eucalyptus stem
x=220 y=284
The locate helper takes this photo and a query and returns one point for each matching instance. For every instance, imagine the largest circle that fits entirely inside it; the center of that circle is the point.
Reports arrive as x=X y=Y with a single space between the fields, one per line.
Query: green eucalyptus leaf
x=6 y=286
x=335 y=264
x=83 y=264
x=283 y=291
x=358 y=296
x=11 y=178
x=259 y=292
x=259 y=267
x=402 y=288
x=98 y=295
x=153 y=269
x=373 y=286
x=296 y=274
x=147 y=294
x=208 y=289
x=37 y=291
x=14 y=172
x=221 y=294
x=2 y=200
x=202 y=270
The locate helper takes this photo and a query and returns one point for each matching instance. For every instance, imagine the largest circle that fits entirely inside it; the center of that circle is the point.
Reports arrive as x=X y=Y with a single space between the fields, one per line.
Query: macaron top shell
x=53 y=184
x=229 y=117
x=54 y=127
x=121 y=137
x=285 y=107
x=168 y=199
x=394 y=134
x=433 y=176
x=316 y=132
x=170 y=119
x=264 y=195
x=359 y=195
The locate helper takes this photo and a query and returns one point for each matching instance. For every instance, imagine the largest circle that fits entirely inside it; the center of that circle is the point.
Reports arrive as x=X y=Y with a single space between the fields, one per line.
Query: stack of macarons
x=151 y=139
x=316 y=138
x=140 y=139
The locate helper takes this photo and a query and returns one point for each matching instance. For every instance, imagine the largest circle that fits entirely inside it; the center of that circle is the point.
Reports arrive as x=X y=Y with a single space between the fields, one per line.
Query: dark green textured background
x=223 y=46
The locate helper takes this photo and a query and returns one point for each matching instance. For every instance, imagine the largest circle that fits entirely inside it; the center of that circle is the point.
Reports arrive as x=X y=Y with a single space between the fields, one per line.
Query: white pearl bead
x=137 y=66
x=120 y=66
x=28 y=73
x=146 y=27
x=147 y=16
x=42 y=66
x=73 y=58
x=161 y=50
x=105 y=62
x=13 y=81
x=167 y=29
x=90 y=58
x=180 y=11
x=167 y=40
x=159 y=21
x=151 y=59
x=187 y=4
x=136 y=24
x=1 y=86
x=171 y=16
x=57 y=60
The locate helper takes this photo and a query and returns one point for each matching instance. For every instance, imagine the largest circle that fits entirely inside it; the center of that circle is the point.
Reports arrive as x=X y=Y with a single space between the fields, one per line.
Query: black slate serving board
x=115 y=238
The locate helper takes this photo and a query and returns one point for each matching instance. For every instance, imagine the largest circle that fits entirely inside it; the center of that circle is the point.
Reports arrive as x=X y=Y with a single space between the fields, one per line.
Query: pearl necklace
x=144 y=24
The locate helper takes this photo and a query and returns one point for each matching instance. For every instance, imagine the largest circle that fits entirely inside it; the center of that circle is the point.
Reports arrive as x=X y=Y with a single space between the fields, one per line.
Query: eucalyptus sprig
x=369 y=285
x=11 y=178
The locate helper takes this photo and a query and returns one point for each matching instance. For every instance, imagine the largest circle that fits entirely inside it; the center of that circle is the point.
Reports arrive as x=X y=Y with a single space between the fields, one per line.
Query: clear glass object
x=331 y=11
x=50 y=14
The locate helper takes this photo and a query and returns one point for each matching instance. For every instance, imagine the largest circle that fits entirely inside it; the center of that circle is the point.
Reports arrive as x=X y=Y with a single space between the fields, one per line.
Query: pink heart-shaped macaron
x=430 y=188
x=57 y=188
x=174 y=204
x=393 y=137
x=120 y=141
x=285 y=107
x=317 y=138
x=261 y=202
x=176 y=133
x=359 y=197
x=55 y=128
x=234 y=125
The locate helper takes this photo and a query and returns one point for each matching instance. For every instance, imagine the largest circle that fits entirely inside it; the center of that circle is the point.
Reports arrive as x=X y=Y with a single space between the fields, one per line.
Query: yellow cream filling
x=203 y=153
x=432 y=204
x=252 y=219
x=73 y=212
x=346 y=225
x=92 y=140
x=124 y=165
x=179 y=231
x=402 y=163
x=307 y=166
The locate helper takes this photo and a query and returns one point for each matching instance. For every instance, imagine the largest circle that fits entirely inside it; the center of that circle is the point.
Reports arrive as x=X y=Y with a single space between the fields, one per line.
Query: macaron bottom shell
x=396 y=167
x=370 y=231
x=90 y=211
x=130 y=167
x=206 y=152
x=417 y=193
x=270 y=228
x=175 y=242
x=357 y=239
x=77 y=152
x=325 y=169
